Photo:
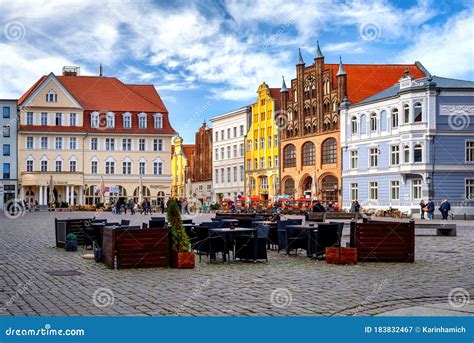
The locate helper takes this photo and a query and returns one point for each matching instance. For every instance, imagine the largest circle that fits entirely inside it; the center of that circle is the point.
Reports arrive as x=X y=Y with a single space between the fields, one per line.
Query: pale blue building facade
x=413 y=141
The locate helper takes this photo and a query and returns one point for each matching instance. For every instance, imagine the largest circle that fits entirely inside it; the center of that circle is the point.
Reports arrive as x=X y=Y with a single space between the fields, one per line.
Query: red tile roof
x=364 y=80
x=99 y=93
x=275 y=94
x=188 y=150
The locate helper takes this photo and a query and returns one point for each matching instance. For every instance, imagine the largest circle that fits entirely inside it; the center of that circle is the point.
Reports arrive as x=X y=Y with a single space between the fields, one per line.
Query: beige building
x=92 y=139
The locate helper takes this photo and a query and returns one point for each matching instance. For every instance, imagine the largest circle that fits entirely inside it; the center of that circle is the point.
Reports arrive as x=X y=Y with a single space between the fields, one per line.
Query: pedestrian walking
x=444 y=208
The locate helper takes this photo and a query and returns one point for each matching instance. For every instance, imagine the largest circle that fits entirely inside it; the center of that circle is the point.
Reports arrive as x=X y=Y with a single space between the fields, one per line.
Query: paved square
x=286 y=285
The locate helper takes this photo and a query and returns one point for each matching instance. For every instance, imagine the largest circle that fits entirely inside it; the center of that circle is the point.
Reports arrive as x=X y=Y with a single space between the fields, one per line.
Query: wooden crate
x=341 y=255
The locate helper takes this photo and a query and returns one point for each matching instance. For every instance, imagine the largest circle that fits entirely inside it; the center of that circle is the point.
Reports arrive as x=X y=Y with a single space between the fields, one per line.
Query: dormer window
x=94 y=120
x=110 y=120
x=142 y=120
x=51 y=96
x=127 y=120
x=158 y=120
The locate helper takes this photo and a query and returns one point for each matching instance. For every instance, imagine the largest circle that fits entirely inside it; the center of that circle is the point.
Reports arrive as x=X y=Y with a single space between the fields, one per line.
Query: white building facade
x=9 y=159
x=402 y=145
x=229 y=130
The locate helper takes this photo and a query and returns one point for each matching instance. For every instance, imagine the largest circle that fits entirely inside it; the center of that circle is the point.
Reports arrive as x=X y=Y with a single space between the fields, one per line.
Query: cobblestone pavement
x=286 y=285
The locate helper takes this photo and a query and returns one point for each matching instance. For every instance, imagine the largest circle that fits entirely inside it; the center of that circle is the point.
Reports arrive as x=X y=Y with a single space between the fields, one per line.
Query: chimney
x=71 y=71
x=101 y=70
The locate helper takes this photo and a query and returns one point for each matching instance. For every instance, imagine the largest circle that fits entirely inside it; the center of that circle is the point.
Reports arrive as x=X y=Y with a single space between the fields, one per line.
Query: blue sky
x=208 y=57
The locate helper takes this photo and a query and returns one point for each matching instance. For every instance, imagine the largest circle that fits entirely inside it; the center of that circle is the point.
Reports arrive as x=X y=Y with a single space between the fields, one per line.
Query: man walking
x=430 y=209
x=444 y=208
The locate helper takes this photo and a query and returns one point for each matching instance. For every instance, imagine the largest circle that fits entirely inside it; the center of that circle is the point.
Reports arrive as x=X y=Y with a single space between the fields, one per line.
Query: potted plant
x=182 y=257
x=71 y=242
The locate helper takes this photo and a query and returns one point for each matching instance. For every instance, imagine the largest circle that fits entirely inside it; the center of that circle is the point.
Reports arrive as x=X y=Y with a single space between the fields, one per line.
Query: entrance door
x=329 y=189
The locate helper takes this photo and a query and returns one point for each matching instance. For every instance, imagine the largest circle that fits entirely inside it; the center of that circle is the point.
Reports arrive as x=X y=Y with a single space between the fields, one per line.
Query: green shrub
x=179 y=238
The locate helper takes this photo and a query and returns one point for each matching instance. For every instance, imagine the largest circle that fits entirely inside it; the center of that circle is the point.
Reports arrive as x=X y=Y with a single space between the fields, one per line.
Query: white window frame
x=354 y=156
x=142 y=120
x=95 y=120
x=373 y=185
x=158 y=121
x=72 y=119
x=419 y=183
x=110 y=122
x=354 y=188
x=127 y=120
x=394 y=184
x=376 y=157
x=392 y=153
x=469 y=158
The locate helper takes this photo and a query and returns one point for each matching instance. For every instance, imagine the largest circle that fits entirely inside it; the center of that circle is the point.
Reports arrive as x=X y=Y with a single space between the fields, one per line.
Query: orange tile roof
x=100 y=93
x=275 y=94
x=188 y=150
x=364 y=80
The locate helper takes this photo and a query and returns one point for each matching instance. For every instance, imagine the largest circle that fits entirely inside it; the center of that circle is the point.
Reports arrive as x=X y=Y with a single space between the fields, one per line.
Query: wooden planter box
x=341 y=255
x=135 y=248
x=183 y=260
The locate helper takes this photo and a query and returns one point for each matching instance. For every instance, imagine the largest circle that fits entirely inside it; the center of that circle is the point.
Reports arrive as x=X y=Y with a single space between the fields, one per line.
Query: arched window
x=406 y=154
x=334 y=105
x=363 y=124
x=326 y=87
x=289 y=186
x=289 y=156
x=406 y=114
x=373 y=122
x=329 y=151
x=309 y=154
x=417 y=153
x=326 y=106
x=418 y=112
x=395 y=118
x=354 y=125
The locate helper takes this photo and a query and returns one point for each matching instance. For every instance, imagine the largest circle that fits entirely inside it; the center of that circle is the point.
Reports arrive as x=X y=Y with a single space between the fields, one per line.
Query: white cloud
x=446 y=50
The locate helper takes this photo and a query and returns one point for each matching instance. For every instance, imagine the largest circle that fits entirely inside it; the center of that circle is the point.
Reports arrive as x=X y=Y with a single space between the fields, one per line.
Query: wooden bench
x=442 y=229
x=383 y=241
x=135 y=248
x=323 y=216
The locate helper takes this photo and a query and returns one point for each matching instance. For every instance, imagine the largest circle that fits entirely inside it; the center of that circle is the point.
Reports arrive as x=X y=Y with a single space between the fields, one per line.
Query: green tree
x=179 y=238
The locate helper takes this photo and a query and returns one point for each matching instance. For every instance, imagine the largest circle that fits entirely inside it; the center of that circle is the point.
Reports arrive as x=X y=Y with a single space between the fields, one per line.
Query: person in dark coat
x=355 y=207
x=422 y=208
x=430 y=209
x=317 y=207
x=444 y=208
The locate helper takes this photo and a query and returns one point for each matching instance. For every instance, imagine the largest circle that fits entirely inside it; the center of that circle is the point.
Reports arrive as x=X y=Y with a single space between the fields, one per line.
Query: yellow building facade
x=262 y=146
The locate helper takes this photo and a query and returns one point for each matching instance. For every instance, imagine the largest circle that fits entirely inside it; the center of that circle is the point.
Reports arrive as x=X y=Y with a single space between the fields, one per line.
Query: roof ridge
x=140 y=95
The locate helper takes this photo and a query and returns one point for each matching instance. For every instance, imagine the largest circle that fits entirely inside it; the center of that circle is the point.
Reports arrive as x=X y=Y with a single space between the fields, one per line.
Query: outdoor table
x=309 y=230
x=228 y=234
